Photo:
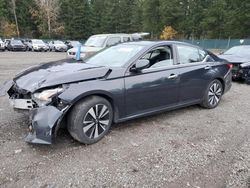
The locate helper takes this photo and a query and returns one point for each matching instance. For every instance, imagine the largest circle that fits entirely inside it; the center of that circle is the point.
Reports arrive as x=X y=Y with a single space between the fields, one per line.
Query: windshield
x=238 y=50
x=58 y=42
x=96 y=41
x=16 y=42
x=75 y=43
x=115 y=56
x=37 y=42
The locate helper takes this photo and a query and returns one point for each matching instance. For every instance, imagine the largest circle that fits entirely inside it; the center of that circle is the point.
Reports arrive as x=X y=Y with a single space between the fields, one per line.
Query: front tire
x=90 y=120
x=213 y=95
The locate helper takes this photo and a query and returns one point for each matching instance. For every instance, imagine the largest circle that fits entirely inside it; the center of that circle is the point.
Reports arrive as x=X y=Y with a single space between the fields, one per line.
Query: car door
x=193 y=71
x=153 y=88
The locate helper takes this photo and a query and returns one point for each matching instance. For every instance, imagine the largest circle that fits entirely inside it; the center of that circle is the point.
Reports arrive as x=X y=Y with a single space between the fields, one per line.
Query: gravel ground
x=190 y=147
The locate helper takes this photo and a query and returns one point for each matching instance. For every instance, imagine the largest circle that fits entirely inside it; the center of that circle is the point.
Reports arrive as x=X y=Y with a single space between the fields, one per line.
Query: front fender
x=110 y=89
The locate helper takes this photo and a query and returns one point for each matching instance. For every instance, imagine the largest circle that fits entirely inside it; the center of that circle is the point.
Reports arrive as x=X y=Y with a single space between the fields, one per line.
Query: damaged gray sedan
x=123 y=82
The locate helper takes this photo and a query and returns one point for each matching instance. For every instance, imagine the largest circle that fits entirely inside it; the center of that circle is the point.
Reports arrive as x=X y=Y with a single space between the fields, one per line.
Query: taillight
x=230 y=66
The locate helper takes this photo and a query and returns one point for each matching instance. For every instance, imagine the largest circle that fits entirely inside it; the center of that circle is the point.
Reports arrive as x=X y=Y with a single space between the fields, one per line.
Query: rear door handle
x=173 y=76
x=208 y=67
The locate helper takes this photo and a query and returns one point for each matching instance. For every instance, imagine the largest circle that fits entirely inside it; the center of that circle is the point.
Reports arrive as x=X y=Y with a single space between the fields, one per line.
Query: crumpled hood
x=86 y=49
x=234 y=58
x=56 y=73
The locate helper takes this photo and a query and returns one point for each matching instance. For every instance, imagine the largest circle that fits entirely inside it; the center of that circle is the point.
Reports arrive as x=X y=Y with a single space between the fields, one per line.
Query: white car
x=58 y=46
x=2 y=45
x=98 y=42
x=37 y=45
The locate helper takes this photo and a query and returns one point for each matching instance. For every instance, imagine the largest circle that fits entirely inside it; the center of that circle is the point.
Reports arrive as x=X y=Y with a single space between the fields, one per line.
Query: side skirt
x=159 y=110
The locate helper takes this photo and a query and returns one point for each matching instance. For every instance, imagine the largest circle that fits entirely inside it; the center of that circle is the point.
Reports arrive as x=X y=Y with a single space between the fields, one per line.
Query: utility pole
x=14 y=11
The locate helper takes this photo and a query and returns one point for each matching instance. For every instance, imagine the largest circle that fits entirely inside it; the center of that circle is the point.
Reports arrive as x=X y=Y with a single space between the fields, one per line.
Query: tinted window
x=113 y=41
x=188 y=54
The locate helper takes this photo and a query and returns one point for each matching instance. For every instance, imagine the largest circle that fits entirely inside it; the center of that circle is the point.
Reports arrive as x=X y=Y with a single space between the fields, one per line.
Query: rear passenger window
x=188 y=54
x=113 y=41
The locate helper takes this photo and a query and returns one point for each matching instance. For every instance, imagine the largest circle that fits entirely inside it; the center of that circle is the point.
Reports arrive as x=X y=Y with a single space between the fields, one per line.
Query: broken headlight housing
x=45 y=97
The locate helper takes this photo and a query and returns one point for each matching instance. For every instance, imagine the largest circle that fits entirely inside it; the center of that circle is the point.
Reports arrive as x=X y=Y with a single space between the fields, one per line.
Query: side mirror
x=140 y=65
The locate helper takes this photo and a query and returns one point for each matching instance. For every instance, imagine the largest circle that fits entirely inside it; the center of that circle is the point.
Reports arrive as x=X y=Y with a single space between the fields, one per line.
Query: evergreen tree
x=152 y=18
x=75 y=15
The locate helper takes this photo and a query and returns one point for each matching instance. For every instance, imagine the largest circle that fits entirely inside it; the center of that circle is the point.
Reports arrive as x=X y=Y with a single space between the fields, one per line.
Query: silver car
x=37 y=45
x=58 y=46
x=96 y=43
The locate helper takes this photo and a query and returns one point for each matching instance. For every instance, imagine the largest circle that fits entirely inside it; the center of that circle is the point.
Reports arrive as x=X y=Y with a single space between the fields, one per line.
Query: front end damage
x=45 y=120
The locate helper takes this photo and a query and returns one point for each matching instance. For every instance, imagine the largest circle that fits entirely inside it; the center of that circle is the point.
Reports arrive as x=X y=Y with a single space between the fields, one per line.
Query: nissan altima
x=123 y=82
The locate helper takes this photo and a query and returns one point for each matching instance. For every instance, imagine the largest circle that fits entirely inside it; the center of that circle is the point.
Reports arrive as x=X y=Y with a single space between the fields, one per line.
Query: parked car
x=16 y=45
x=38 y=45
x=98 y=42
x=72 y=44
x=6 y=41
x=57 y=46
x=239 y=56
x=120 y=83
x=2 y=45
x=26 y=43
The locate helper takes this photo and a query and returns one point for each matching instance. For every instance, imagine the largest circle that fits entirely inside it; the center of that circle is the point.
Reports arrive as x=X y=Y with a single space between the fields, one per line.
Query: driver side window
x=159 y=57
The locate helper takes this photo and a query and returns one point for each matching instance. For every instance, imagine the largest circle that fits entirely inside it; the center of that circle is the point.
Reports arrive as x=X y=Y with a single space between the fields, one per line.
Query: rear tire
x=90 y=120
x=213 y=94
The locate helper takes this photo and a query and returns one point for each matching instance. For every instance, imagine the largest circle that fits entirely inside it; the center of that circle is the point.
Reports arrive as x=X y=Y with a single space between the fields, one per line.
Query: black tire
x=213 y=95
x=95 y=128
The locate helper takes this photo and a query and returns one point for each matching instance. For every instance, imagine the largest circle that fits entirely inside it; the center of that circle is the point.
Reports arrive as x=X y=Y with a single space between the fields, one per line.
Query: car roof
x=163 y=42
x=112 y=34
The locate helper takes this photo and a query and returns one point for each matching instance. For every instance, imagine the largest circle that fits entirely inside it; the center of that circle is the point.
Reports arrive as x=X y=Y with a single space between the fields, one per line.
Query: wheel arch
x=222 y=82
x=102 y=94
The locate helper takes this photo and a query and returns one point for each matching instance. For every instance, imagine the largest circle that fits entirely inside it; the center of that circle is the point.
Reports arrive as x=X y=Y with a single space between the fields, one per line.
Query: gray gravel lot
x=190 y=147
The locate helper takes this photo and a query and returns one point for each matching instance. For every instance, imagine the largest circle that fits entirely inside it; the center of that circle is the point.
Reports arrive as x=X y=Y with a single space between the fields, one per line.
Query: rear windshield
x=239 y=50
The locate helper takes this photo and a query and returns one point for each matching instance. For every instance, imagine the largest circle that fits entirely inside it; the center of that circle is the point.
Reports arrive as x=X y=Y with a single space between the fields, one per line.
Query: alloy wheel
x=96 y=121
x=214 y=94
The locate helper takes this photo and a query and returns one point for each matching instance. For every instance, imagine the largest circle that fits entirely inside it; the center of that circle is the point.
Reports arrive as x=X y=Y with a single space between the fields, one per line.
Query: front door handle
x=173 y=76
x=208 y=67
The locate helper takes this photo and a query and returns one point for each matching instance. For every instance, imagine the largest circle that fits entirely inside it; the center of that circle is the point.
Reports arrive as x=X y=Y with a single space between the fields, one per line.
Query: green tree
x=152 y=17
x=76 y=18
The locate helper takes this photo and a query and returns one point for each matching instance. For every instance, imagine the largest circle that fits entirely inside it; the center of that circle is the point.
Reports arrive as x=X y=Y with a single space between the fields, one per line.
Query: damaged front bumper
x=43 y=122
